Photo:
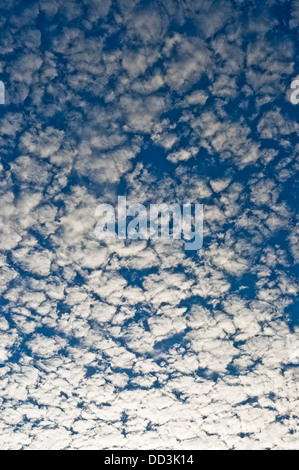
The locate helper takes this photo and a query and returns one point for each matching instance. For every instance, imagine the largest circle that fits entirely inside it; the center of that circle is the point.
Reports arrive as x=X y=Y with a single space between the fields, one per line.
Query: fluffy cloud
x=122 y=344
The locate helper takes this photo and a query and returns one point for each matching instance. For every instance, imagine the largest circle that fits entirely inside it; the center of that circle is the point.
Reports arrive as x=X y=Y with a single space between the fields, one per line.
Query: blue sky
x=142 y=345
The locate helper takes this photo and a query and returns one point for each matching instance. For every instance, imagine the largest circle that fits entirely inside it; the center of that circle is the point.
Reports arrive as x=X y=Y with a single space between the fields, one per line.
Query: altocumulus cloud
x=122 y=344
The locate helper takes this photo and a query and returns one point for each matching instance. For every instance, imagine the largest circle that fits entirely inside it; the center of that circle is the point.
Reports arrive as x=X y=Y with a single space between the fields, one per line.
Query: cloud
x=121 y=344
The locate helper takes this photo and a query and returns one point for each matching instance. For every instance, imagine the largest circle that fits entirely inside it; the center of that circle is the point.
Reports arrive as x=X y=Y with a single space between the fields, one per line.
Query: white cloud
x=141 y=345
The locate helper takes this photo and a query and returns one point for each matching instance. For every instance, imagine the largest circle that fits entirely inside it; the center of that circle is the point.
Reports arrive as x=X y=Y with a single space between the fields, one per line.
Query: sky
x=125 y=344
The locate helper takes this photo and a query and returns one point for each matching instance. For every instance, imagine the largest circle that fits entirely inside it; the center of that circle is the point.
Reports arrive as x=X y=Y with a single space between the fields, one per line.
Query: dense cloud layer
x=122 y=344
